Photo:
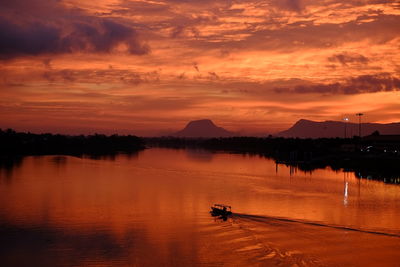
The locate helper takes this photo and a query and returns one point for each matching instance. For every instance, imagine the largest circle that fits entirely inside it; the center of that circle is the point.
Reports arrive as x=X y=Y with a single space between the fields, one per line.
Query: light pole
x=359 y=123
x=345 y=119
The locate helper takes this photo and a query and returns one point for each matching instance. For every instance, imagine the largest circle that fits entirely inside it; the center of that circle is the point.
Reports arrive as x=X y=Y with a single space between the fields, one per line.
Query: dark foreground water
x=151 y=209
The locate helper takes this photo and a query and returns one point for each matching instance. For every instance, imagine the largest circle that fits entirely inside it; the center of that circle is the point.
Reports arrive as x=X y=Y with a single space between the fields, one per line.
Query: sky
x=148 y=67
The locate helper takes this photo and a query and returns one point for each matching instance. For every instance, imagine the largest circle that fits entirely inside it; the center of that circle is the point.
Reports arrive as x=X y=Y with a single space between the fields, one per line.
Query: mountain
x=312 y=129
x=203 y=128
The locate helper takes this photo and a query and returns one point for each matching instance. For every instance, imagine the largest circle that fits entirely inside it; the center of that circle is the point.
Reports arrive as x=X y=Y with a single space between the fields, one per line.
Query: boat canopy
x=222 y=206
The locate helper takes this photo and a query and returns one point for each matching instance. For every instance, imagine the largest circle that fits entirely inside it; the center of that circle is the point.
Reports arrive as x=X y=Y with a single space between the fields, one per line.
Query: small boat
x=221 y=210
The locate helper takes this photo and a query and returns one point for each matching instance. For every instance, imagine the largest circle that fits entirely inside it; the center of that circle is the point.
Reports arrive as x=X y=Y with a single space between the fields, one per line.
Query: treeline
x=14 y=143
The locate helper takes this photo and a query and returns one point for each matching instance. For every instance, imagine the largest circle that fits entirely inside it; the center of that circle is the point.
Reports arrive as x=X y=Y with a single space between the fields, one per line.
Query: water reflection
x=386 y=177
x=346 y=195
x=390 y=176
x=59 y=160
x=111 y=156
x=199 y=155
x=44 y=245
x=7 y=166
x=152 y=209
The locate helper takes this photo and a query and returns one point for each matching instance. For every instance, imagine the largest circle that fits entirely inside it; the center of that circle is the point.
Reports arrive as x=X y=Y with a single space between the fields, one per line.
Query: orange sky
x=148 y=67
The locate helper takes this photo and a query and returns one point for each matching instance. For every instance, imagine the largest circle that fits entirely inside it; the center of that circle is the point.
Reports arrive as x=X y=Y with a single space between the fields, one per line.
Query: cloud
x=98 y=76
x=213 y=75
x=72 y=31
x=383 y=82
x=349 y=58
x=213 y=58
x=217 y=25
x=293 y=5
x=196 y=67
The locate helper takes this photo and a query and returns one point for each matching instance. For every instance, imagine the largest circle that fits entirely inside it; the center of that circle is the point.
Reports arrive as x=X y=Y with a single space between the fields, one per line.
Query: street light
x=345 y=119
x=359 y=123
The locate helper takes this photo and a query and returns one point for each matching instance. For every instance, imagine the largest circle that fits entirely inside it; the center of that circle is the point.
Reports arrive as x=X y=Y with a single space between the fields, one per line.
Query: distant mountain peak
x=202 y=121
x=203 y=128
x=301 y=121
x=318 y=129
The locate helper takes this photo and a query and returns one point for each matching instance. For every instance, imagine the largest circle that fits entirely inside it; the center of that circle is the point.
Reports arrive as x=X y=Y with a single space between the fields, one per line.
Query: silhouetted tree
x=13 y=143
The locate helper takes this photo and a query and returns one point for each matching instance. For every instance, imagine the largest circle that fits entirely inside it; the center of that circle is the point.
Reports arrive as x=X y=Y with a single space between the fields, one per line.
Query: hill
x=328 y=129
x=203 y=129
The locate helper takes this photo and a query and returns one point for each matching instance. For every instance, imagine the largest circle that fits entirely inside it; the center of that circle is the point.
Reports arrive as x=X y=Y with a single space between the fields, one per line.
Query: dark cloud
x=181 y=76
x=177 y=31
x=293 y=5
x=99 y=76
x=71 y=31
x=196 y=67
x=382 y=82
x=47 y=63
x=349 y=58
x=181 y=31
x=213 y=76
x=33 y=39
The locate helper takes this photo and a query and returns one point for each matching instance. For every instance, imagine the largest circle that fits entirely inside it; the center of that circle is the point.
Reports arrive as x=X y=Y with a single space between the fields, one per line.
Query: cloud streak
x=347 y=58
x=383 y=82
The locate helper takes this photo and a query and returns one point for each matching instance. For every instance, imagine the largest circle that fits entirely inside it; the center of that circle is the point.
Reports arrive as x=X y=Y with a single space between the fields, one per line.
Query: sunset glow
x=148 y=67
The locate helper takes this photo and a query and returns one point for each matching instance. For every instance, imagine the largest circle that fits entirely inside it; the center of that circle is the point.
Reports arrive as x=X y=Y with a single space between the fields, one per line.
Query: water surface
x=151 y=209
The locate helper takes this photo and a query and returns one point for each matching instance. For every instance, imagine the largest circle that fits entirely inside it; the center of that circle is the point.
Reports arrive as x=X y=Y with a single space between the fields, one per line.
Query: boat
x=221 y=210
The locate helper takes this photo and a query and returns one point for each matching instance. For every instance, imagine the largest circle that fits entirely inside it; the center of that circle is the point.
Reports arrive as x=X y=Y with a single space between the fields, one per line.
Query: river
x=152 y=209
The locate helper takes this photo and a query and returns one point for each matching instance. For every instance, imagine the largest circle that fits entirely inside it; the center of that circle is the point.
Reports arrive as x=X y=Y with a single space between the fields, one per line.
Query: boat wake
x=271 y=219
x=277 y=241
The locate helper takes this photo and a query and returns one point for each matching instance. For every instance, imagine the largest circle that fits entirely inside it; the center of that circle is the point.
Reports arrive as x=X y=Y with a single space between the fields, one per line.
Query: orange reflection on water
x=157 y=203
